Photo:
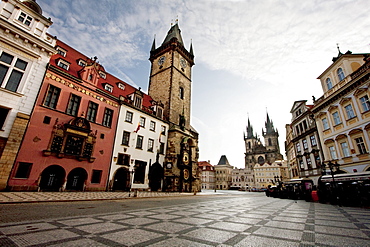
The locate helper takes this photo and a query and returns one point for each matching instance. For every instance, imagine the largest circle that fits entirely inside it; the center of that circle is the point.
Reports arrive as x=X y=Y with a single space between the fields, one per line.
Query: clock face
x=185 y=158
x=183 y=63
x=169 y=165
x=161 y=60
x=186 y=174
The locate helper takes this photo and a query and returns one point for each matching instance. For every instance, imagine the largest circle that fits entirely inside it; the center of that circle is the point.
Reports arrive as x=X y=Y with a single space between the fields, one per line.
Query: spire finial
x=338 y=49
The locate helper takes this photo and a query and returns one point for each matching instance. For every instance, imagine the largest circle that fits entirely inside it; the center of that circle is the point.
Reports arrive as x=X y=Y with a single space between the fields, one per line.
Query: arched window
x=340 y=74
x=329 y=84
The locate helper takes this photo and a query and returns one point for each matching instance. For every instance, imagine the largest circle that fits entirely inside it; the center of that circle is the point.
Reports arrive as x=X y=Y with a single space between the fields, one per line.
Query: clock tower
x=170 y=84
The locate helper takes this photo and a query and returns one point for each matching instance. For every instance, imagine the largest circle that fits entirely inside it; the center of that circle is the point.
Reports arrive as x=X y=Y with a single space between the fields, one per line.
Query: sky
x=252 y=57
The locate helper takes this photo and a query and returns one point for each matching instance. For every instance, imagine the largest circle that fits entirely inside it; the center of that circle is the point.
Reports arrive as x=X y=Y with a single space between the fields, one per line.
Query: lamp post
x=132 y=180
x=332 y=173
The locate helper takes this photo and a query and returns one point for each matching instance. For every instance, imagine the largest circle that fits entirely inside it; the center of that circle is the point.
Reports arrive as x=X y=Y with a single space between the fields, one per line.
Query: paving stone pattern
x=237 y=221
x=21 y=197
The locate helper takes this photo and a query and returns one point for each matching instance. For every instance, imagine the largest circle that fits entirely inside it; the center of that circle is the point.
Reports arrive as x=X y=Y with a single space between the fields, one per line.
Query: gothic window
x=73 y=105
x=92 y=110
x=107 y=118
x=125 y=138
x=269 y=141
x=52 y=96
x=11 y=71
x=340 y=74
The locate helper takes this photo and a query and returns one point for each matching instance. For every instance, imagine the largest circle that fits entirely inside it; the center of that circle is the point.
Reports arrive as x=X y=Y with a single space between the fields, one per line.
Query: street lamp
x=332 y=172
x=132 y=180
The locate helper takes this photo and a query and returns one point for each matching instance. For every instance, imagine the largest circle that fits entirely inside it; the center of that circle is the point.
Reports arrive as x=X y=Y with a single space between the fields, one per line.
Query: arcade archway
x=52 y=178
x=76 y=179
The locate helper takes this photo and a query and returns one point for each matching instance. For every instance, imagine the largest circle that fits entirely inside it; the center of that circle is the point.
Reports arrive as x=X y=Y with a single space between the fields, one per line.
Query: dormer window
x=91 y=77
x=25 y=19
x=103 y=75
x=121 y=85
x=340 y=74
x=63 y=64
x=82 y=63
x=138 y=101
x=61 y=51
x=108 y=87
x=329 y=85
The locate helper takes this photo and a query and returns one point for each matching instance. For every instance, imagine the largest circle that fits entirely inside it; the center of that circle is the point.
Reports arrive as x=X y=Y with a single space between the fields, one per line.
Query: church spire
x=191 y=48
x=174 y=32
x=153 y=45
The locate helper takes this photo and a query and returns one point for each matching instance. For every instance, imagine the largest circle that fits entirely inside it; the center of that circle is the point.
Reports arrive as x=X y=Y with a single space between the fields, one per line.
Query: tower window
x=181 y=93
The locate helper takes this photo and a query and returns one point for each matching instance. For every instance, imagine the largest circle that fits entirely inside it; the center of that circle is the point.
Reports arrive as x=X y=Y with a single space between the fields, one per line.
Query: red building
x=69 y=140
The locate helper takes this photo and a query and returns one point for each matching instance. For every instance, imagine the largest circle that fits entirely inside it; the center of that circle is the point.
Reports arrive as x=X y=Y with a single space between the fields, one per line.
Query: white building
x=140 y=145
x=25 y=50
x=207 y=175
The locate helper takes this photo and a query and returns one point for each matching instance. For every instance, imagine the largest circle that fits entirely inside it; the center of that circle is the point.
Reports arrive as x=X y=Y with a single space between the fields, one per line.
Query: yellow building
x=270 y=174
x=343 y=113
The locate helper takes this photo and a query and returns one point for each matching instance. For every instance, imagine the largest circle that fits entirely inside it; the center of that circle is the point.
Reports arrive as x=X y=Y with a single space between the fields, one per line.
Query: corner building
x=25 y=50
x=170 y=85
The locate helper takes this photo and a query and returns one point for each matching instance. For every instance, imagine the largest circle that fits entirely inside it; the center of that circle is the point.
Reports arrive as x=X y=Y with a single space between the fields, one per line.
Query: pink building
x=69 y=140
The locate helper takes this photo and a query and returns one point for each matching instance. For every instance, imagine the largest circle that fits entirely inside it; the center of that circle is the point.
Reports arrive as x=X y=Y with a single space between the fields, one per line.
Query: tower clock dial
x=183 y=63
x=161 y=60
x=185 y=158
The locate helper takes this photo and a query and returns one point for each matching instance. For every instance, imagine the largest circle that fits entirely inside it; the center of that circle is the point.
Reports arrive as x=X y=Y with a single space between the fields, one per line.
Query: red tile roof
x=73 y=56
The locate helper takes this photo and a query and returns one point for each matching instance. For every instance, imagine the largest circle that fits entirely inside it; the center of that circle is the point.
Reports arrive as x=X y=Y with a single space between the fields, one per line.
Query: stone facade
x=170 y=84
